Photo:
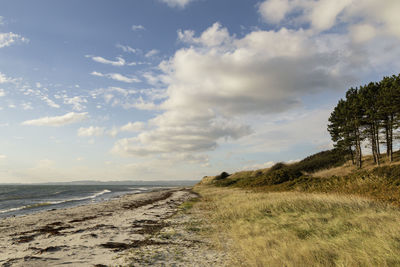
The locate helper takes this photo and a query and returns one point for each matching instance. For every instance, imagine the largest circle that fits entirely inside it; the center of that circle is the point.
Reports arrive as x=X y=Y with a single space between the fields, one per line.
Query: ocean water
x=24 y=199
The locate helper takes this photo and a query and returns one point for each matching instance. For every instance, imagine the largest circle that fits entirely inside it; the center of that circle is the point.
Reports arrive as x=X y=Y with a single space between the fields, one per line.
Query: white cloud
x=363 y=32
x=152 y=53
x=179 y=132
x=91 y=131
x=143 y=99
x=133 y=127
x=49 y=102
x=140 y=103
x=1 y=21
x=27 y=106
x=98 y=74
x=77 y=102
x=5 y=79
x=116 y=77
x=177 y=3
x=2 y=156
x=113 y=132
x=220 y=79
x=138 y=28
x=2 y=93
x=7 y=39
x=274 y=10
x=122 y=78
x=214 y=36
x=127 y=48
x=324 y=14
x=118 y=63
x=56 y=121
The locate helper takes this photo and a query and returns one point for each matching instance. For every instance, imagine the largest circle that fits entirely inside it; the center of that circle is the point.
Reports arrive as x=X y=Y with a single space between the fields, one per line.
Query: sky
x=179 y=89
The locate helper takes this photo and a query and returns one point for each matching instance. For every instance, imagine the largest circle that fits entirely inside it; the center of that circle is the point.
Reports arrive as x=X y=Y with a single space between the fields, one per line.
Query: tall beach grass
x=301 y=229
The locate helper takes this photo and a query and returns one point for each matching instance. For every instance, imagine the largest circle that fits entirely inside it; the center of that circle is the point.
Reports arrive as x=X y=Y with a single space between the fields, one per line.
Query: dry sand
x=133 y=230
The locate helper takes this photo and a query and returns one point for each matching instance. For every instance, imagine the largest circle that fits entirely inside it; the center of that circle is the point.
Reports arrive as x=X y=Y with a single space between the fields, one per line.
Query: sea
x=16 y=200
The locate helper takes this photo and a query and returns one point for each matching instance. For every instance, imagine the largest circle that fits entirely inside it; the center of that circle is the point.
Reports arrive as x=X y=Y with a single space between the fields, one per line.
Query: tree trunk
x=359 y=154
x=391 y=138
x=352 y=155
x=378 y=150
x=387 y=138
x=358 y=149
x=373 y=142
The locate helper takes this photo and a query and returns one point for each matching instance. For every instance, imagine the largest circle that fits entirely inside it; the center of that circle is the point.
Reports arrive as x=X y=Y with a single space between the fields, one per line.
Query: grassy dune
x=301 y=229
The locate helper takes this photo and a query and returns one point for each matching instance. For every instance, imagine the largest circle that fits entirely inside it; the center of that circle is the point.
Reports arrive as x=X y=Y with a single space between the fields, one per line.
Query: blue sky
x=179 y=89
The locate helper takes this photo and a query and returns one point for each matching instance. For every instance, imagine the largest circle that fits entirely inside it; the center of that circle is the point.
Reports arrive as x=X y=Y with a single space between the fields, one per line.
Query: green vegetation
x=280 y=172
x=366 y=114
x=380 y=183
x=187 y=205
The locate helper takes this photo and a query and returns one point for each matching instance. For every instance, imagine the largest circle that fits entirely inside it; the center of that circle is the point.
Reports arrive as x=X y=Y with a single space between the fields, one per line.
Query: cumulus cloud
x=274 y=11
x=214 y=36
x=182 y=133
x=56 y=121
x=265 y=71
x=324 y=14
x=8 y=39
x=220 y=78
x=117 y=77
x=91 y=131
x=119 y=62
x=177 y=3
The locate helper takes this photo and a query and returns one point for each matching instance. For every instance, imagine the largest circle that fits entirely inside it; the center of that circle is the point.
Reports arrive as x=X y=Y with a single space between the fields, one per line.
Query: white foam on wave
x=41 y=204
x=13 y=209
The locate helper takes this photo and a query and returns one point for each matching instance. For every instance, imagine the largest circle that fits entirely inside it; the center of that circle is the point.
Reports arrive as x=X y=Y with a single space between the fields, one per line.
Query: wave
x=139 y=188
x=41 y=204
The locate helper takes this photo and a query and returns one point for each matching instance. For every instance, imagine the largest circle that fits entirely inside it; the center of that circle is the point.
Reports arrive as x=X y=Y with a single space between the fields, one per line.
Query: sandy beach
x=110 y=233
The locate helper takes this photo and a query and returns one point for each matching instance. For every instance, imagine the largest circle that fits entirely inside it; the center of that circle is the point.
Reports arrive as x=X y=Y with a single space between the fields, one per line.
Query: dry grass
x=302 y=229
x=348 y=168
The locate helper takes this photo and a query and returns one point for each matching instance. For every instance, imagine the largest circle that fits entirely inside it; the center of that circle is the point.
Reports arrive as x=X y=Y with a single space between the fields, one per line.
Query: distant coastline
x=94 y=182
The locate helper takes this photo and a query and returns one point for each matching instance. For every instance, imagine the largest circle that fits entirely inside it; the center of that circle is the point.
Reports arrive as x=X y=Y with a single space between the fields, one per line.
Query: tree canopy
x=368 y=115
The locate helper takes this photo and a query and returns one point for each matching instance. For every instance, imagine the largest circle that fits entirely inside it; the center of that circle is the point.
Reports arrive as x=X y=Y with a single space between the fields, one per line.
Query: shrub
x=278 y=166
x=322 y=160
x=222 y=176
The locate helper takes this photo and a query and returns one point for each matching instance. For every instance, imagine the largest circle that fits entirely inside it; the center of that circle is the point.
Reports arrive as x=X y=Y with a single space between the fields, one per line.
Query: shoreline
x=88 y=235
x=105 y=194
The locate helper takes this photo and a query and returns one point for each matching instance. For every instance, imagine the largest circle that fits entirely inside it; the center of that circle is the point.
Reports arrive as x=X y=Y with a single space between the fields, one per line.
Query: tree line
x=368 y=115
